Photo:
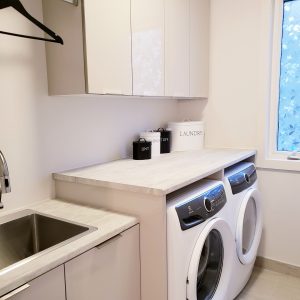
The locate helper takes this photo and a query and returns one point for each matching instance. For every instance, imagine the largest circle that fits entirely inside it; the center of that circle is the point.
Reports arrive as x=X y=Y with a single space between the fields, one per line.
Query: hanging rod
x=18 y=6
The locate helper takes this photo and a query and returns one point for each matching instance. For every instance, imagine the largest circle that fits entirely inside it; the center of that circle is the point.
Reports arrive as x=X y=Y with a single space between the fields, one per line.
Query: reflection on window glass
x=289 y=100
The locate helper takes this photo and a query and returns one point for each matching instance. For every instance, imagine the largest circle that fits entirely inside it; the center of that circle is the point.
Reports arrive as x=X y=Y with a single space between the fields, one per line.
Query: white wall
x=40 y=134
x=281 y=204
x=239 y=83
x=235 y=50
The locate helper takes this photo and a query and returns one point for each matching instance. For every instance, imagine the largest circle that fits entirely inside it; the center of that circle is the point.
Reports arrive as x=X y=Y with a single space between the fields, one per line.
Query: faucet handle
x=4 y=178
x=1 y=204
x=7 y=184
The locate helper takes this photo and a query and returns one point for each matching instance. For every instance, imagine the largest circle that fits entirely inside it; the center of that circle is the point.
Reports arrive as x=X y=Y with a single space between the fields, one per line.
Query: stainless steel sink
x=27 y=235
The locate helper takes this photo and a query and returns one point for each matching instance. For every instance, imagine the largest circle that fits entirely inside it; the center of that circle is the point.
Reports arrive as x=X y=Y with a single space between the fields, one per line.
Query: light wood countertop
x=158 y=176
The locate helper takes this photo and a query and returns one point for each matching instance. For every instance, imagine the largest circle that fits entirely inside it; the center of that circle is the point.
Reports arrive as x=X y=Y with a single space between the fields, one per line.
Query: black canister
x=165 y=140
x=141 y=149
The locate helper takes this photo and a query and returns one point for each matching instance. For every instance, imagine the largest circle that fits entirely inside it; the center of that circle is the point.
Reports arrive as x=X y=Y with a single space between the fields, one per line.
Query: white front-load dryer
x=200 y=244
x=244 y=205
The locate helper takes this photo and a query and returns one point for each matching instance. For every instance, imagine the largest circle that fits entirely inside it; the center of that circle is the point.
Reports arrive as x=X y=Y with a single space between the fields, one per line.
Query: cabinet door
x=148 y=54
x=108 y=46
x=49 y=286
x=177 y=48
x=199 y=49
x=110 y=271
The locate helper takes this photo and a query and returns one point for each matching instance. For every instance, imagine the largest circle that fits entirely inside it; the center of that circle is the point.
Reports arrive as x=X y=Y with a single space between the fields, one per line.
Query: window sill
x=278 y=161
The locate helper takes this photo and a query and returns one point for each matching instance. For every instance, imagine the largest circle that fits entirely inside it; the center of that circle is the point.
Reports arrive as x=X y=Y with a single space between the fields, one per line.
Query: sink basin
x=28 y=234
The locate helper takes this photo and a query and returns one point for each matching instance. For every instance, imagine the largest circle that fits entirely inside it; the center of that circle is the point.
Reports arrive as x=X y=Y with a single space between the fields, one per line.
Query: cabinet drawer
x=46 y=287
x=109 y=271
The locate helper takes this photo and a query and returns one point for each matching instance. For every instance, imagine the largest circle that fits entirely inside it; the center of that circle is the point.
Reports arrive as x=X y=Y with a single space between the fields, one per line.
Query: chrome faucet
x=4 y=178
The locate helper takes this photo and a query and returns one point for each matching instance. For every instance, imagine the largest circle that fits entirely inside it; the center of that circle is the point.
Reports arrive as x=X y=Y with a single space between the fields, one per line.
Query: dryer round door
x=249 y=227
x=210 y=265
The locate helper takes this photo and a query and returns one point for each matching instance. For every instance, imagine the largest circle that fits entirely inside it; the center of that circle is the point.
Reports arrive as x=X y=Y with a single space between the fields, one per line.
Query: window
x=279 y=117
x=288 y=131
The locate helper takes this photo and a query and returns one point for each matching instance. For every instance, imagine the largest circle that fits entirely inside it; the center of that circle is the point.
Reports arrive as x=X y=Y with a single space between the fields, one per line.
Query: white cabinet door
x=110 y=271
x=49 y=286
x=129 y=47
x=199 y=47
x=177 y=47
x=108 y=46
x=148 y=54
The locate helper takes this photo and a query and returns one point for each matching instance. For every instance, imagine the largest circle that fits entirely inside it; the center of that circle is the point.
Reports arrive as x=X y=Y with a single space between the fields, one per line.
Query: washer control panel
x=242 y=180
x=201 y=208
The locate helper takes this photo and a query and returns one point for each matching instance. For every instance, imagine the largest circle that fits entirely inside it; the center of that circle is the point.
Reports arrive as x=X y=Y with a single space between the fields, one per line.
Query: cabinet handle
x=113 y=239
x=15 y=292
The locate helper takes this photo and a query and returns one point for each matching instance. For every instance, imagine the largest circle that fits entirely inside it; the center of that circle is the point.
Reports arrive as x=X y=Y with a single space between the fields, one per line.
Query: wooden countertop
x=158 y=176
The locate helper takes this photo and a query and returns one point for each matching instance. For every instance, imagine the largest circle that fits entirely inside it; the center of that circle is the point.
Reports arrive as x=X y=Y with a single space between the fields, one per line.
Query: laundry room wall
x=234 y=115
x=41 y=134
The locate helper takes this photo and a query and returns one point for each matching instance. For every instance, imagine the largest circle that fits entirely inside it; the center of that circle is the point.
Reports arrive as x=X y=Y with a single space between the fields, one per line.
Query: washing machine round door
x=210 y=265
x=249 y=227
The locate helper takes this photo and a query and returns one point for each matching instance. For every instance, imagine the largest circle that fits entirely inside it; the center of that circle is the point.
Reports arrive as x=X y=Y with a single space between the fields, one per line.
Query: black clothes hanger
x=17 y=5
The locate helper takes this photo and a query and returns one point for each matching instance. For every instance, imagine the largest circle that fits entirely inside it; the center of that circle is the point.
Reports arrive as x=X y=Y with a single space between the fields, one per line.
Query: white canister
x=154 y=138
x=187 y=135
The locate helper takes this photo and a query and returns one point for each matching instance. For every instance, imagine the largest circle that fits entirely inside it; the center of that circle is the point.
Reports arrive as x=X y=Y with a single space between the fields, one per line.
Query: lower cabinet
x=110 y=271
x=49 y=286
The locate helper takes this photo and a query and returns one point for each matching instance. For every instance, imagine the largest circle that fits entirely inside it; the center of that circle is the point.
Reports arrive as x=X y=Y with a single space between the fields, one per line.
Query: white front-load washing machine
x=244 y=205
x=200 y=244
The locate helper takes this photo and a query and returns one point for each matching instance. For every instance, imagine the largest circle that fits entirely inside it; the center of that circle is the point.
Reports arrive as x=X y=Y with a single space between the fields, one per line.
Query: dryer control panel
x=243 y=179
x=201 y=208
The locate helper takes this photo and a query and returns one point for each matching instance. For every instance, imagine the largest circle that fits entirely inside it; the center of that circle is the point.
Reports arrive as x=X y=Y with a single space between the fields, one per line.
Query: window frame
x=268 y=156
x=275 y=82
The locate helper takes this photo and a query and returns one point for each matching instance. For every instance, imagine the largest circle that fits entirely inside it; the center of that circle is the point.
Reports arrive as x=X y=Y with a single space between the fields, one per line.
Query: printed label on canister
x=190 y=133
x=154 y=138
x=187 y=135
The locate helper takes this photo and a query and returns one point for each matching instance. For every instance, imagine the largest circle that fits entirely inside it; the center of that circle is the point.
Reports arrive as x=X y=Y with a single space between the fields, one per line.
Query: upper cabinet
x=199 y=47
x=129 y=47
x=187 y=48
x=108 y=46
x=96 y=56
x=177 y=43
x=148 y=47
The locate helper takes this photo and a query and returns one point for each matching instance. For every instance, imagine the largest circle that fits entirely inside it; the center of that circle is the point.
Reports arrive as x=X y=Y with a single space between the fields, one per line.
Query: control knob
x=247 y=178
x=208 y=205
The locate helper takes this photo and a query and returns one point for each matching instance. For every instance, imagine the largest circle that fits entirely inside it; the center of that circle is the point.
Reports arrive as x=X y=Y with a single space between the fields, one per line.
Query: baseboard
x=277 y=266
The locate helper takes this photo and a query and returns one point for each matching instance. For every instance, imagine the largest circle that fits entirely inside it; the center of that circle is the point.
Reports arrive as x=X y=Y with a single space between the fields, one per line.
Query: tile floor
x=269 y=285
